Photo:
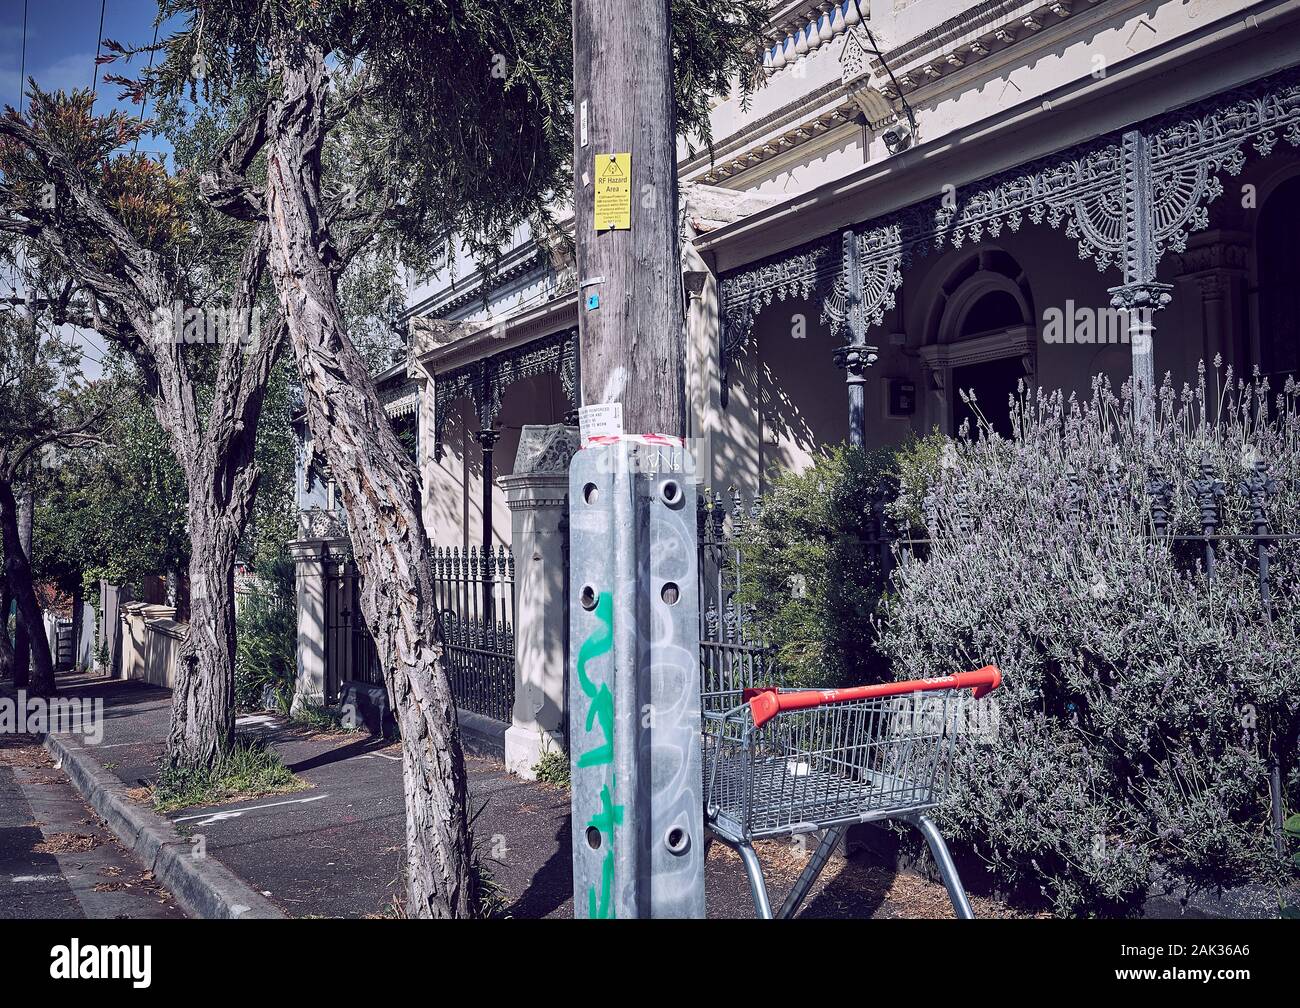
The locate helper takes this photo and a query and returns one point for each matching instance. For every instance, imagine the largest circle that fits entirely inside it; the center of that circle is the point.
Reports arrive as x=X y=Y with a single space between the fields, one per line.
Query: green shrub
x=266 y=647
x=552 y=767
x=1141 y=697
x=810 y=576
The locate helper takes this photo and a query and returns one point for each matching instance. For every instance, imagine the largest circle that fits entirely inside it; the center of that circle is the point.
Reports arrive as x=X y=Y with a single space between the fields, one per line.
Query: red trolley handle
x=766 y=702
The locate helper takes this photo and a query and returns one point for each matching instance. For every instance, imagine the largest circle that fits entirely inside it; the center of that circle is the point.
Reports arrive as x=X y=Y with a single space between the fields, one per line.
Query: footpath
x=335 y=848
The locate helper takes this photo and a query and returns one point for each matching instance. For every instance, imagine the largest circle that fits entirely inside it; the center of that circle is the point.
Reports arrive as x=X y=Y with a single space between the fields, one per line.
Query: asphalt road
x=57 y=859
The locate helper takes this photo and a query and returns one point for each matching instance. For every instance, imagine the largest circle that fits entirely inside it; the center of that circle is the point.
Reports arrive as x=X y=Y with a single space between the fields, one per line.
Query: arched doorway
x=1279 y=291
x=982 y=342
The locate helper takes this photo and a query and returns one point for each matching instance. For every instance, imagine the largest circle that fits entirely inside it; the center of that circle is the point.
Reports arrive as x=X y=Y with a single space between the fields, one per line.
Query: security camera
x=898 y=138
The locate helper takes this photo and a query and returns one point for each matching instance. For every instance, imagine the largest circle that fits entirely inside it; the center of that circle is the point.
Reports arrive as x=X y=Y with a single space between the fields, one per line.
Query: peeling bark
x=377 y=484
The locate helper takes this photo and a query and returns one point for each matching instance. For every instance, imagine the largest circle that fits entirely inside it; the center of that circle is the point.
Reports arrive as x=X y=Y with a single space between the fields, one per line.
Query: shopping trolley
x=787 y=762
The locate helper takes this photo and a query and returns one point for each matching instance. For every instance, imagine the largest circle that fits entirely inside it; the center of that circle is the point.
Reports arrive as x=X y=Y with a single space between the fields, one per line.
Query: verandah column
x=855 y=357
x=1140 y=296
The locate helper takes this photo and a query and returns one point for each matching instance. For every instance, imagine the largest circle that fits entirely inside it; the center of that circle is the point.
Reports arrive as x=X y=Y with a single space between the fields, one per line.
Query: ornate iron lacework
x=1189 y=148
x=1090 y=190
x=804 y=273
x=484 y=381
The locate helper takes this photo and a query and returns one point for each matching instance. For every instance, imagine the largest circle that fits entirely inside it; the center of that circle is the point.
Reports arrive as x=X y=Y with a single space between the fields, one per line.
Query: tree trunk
x=633 y=346
x=22 y=634
x=203 y=694
x=6 y=643
x=18 y=571
x=378 y=486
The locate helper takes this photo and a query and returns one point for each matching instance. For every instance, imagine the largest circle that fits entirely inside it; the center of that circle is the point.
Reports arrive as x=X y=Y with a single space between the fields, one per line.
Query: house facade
x=1021 y=181
x=926 y=197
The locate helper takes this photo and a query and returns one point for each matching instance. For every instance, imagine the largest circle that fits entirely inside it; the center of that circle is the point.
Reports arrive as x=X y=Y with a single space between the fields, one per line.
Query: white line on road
x=208 y=818
x=35 y=878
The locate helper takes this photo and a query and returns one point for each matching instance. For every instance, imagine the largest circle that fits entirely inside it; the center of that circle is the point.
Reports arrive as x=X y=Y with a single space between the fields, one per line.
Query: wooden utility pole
x=630 y=321
x=634 y=673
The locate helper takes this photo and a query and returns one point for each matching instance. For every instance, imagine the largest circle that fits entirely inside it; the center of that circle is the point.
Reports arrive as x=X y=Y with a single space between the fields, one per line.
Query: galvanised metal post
x=634 y=684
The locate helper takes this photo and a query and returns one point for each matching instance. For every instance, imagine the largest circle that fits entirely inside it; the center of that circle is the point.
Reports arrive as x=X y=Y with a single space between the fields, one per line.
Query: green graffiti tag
x=609 y=816
x=601 y=712
x=601 y=642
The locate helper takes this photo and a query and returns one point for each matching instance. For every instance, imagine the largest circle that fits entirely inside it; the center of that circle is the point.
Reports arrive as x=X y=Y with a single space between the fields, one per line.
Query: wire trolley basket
x=785 y=762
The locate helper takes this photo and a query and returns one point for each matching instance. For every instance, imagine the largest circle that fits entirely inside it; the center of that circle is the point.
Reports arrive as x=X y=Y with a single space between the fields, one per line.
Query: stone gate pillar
x=322 y=538
x=537 y=495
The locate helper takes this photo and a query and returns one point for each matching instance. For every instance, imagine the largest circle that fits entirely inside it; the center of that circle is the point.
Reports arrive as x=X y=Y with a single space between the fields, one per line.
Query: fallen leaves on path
x=66 y=843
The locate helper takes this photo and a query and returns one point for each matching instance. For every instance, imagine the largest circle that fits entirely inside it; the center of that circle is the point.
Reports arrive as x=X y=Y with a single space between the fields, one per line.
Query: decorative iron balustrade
x=1126 y=199
x=475 y=593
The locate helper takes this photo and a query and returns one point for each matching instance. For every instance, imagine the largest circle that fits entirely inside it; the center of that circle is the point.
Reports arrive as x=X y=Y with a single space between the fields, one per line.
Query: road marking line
x=208 y=818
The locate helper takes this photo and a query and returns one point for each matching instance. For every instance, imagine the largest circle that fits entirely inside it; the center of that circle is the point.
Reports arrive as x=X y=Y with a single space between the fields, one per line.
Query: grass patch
x=324 y=719
x=552 y=769
x=250 y=770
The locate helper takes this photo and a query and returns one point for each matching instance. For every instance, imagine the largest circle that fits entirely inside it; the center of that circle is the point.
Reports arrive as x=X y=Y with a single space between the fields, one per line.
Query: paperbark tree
x=6 y=642
x=141 y=253
x=459 y=124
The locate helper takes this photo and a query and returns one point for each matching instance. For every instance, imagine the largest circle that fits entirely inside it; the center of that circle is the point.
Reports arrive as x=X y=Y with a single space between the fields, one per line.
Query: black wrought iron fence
x=733 y=652
x=733 y=655
x=475 y=592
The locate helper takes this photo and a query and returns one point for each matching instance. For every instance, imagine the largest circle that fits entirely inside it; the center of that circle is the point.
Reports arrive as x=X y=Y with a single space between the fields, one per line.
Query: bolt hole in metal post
x=670 y=592
x=588 y=597
x=593 y=838
x=678 y=841
x=671 y=494
x=590 y=493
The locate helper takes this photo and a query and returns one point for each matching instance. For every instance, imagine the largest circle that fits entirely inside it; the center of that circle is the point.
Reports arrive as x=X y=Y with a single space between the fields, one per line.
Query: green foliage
x=250 y=770
x=265 y=648
x=1141 y=697
x=458 y=113
x=325 y=718
x=808 y=583
x=552 y=768
x=119 y=512
x=917 y=464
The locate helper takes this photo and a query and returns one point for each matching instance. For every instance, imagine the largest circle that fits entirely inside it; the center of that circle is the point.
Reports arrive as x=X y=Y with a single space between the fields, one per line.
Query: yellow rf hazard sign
x=613 y=203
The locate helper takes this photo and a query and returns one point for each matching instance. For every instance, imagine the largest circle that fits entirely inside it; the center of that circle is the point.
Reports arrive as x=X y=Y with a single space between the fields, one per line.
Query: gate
x=475 y=592
x=349 y=649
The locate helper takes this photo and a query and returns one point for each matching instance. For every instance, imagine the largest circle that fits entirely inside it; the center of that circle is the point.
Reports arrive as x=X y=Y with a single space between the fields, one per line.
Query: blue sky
x=61 y=38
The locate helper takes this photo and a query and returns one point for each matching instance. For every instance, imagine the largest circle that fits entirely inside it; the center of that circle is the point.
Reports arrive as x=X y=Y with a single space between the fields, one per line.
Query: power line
x=99 y=40
x=22 y=64
x=144 y=95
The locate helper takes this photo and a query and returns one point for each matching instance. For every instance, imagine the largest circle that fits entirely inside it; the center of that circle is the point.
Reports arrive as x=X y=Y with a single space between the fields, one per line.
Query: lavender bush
x=1143 y=694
